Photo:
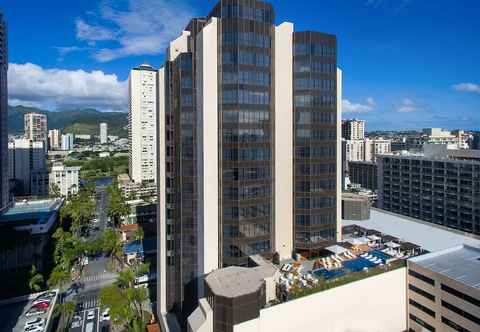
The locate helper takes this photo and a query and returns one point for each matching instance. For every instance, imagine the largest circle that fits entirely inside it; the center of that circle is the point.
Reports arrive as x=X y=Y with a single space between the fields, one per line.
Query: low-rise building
x=444 y=290
x=64 y=179
x=136 y=190
x=25 y=230
x=355 y=207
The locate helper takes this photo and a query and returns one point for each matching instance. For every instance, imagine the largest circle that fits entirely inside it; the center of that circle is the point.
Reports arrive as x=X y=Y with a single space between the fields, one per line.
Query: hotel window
x=421 y=292
x=461 y=295
x=422 y=323
x=421 y=277
x=461 y=312
x=421 y=307
x=453 y=325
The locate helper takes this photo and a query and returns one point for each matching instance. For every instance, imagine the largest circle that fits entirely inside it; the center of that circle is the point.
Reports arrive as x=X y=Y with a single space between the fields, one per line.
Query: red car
x=41 y=305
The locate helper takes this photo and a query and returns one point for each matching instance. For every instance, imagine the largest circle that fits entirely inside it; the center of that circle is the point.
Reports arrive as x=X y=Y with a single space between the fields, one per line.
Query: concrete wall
x=284 y=140
x=376 y=304
x=207 y=150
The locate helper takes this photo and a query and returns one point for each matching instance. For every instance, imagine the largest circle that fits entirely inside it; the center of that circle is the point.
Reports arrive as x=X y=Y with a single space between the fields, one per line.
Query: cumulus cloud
x=133 y=27
x=467 y=87
x=349 y=107
x=32 y=85
x=407 y=106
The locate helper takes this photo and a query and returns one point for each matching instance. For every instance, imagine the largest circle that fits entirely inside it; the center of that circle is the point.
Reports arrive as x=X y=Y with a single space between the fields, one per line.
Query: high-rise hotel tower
x=4 y=193
x=248 y=153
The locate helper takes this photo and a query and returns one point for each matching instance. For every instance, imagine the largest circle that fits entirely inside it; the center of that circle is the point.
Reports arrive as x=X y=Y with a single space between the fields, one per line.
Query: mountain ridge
x=77 y=121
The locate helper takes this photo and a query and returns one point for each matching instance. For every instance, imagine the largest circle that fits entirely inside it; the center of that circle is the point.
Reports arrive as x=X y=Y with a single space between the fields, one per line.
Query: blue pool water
x=379 y=254
x=329 y=274
x=355 y=265
x=358 y=264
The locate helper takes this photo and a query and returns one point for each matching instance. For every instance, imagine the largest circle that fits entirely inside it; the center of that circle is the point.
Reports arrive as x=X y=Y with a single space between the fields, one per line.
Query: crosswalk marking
x=96 y=277
x=90 y=303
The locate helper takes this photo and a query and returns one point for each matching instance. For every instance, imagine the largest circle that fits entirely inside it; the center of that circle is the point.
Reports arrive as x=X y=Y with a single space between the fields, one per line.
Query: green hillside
x=81 y=121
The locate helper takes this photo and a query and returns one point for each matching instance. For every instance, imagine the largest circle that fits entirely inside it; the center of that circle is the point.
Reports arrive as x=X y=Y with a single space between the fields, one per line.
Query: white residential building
x=54 y=139
x=142 y=124
x=355 y=150
x=36 y=128
x=353 y=129
x=65 y=178
x=103 y=133
x=67 y=142
x=27 y=165
x=375 y=147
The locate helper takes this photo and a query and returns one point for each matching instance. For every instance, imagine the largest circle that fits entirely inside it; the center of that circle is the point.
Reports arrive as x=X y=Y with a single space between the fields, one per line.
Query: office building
x=36 y=128
x=67 y=142
x=27 y=167
x=353 y=129
x=444 y=290
x=476 y=142
x=142 y=123
x=54 y=139
x=249 y=152
x=64 y=180
x=103 y=133
x=4 y=183
x=363 y=173
x=438 y=186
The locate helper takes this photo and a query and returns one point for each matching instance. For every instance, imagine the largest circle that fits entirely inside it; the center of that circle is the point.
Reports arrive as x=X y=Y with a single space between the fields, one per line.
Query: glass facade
x=4 y=193
x=315 y=132
x=182 y=177
x=246 y=123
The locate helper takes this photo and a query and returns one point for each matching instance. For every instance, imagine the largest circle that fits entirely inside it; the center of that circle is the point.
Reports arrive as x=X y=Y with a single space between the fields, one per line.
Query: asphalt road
x=95 y=274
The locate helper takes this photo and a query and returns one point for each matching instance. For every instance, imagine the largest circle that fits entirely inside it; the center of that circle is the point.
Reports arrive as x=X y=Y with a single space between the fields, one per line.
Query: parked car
x=41 y=301
x=46 y=296
x=34 y=312
x=33 y=328
x=90 y=314
x=89 y=327
x=76 y=321
x=35 y=322
x=106 y=315
x=41 y=305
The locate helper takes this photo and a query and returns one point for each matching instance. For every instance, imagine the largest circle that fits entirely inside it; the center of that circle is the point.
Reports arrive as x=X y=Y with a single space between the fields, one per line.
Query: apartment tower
x=4 y=193
x=103 y=133
x=36 y=128
x=142 y=129
x=248 y=132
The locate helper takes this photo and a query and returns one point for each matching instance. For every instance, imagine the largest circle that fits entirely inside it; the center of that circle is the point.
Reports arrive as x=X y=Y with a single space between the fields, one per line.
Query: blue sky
x=407 y=64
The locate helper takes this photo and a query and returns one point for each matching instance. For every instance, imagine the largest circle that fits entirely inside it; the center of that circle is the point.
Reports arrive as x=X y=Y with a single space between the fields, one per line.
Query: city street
x=95 y=275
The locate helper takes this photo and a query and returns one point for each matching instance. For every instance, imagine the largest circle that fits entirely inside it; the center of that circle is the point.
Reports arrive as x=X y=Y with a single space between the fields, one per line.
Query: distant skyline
x=407 y=64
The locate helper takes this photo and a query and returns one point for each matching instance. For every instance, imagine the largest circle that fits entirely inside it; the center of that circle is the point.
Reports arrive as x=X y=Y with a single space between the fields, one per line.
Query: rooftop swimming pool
x=355 y=265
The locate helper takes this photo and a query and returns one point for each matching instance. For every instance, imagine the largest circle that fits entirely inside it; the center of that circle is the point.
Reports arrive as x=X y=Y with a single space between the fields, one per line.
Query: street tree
x=36 y=280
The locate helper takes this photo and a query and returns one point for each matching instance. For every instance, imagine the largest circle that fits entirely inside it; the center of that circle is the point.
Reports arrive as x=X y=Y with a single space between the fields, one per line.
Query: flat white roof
x=429 y=236
x=460 y=263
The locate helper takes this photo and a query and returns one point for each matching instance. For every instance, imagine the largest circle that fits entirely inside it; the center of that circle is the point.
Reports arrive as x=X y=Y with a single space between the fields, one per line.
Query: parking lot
x=14 y=315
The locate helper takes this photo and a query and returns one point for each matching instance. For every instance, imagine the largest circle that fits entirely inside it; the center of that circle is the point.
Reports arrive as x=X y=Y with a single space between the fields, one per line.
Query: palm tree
x=112 y=245
x=58 y=278
x=36 y=280
x=66 y=311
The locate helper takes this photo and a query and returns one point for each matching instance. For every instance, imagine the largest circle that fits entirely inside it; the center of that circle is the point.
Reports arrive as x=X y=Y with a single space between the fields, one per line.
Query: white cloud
x=30 y=84
x=92 y=33
x=407 y=106
x=467 y=87
x=349 y=107
x=145 y=27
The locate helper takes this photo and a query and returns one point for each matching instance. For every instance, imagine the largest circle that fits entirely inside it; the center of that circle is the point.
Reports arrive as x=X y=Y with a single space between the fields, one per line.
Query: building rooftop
x=234 y=281
x=460 y=263
x=28 y=213
x=429 y=236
